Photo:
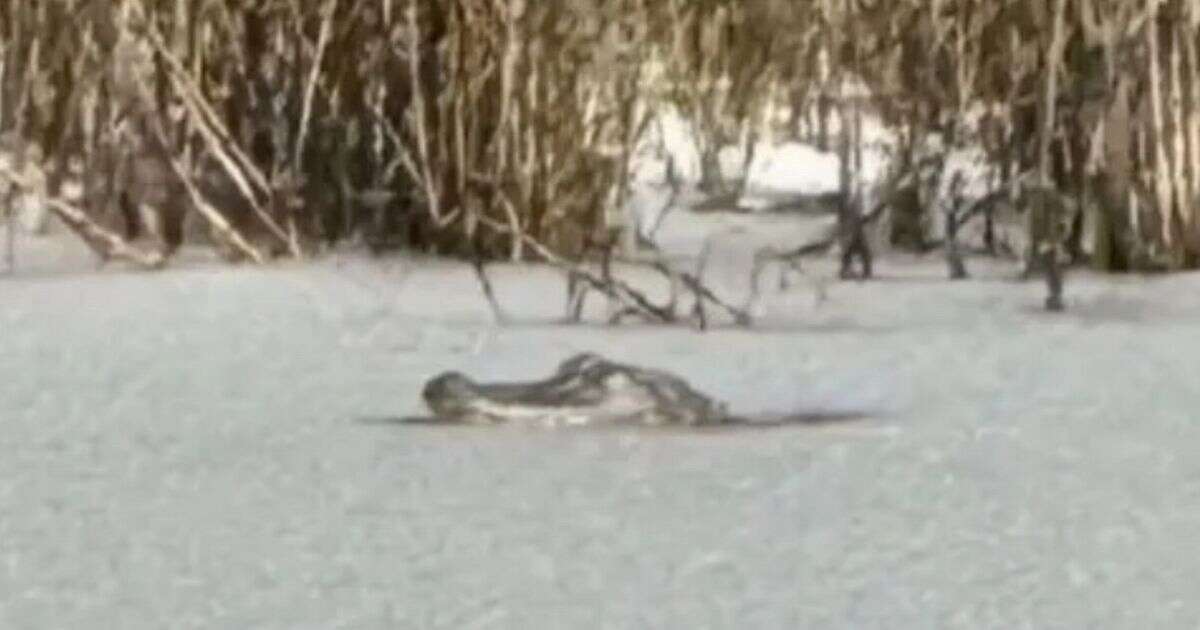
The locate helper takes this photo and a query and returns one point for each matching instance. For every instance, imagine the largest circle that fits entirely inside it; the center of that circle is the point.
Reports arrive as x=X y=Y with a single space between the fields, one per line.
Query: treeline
x=505 y=128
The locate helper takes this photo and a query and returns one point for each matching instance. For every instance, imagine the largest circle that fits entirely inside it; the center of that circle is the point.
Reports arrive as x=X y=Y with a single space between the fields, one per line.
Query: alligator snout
x=448 y=392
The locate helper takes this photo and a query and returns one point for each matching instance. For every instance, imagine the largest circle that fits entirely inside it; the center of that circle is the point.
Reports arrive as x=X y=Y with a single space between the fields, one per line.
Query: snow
x=211 y=447
x=799 y=168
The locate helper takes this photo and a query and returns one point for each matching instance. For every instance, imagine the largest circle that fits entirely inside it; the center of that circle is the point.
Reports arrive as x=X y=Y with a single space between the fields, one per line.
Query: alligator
x=586 y=389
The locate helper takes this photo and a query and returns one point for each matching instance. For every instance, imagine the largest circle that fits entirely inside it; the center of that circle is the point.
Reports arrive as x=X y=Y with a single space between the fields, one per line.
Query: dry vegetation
x=503 y=129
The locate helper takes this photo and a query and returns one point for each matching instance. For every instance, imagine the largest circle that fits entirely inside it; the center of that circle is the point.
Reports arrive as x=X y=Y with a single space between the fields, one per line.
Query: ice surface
x=209 y=448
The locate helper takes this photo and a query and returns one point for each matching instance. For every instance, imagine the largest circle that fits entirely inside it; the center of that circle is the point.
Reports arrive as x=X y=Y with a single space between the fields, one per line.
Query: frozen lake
x=209 y=447
x=205 y=448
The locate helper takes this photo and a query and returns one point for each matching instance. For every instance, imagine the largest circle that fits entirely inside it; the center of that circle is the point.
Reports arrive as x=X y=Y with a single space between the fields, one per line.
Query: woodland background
x=504 y=129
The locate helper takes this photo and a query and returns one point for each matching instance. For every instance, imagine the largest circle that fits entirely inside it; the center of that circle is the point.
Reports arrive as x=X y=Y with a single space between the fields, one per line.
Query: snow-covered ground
x=209 y=447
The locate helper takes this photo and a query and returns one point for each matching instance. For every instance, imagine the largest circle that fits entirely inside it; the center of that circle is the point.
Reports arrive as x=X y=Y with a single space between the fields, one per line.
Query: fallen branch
x=675 y=186
x=629 y=300
x=106 y=243
x=792 y=257
x=489 y=292
x=824 y=244
x=242 y=171
x=703 y=295
x=215 y=219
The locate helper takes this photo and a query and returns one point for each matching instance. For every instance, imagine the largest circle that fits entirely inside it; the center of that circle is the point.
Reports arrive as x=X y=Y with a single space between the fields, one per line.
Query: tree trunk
x=1049 y=252
x=1159 y=165
x=1191 y=125
x=1178 y=149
